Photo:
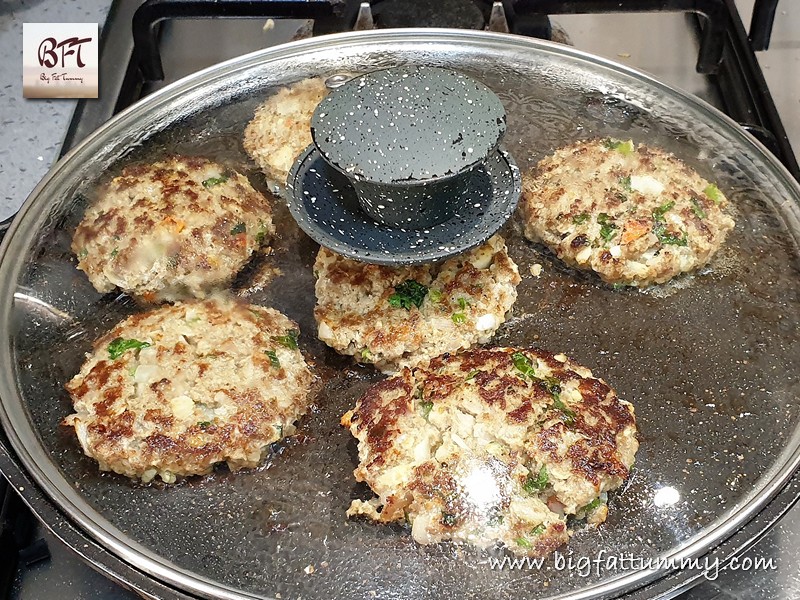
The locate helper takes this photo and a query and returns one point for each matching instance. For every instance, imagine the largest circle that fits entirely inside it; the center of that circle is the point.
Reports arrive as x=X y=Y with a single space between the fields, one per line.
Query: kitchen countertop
x=33 y=130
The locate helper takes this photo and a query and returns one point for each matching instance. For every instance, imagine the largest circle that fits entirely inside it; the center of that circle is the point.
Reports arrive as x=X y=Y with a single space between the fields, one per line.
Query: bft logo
x=48 y=57
x=59 y=60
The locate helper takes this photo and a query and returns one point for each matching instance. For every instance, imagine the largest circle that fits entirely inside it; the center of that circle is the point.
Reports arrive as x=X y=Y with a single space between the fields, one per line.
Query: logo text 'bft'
x=60 y=60
x=48 y=57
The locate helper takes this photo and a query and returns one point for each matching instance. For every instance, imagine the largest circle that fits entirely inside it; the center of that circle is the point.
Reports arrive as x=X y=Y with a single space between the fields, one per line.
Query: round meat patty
x=173 y=391
x=633 y=214
x=176 y=228
x=492 y=445
x=395 y=317
x=281 y=128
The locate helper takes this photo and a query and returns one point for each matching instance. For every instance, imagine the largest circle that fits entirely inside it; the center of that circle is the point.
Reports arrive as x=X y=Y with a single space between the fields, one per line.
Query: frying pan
x=710 y=361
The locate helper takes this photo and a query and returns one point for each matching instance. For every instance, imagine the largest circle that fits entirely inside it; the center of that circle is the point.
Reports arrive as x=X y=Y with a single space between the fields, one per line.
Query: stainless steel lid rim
x=66 y=532
x=194 y=88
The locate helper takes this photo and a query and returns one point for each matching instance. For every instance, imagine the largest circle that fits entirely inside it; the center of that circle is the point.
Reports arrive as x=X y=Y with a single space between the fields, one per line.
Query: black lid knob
x=405 y=167
x=409 y=138
x=408 y=124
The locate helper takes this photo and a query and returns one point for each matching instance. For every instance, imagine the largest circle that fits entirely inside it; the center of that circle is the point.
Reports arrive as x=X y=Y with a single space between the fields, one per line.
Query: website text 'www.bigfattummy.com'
x=584 y=566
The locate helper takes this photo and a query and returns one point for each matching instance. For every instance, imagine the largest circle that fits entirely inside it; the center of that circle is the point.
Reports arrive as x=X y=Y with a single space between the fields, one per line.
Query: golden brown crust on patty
x=633 y=214
x=492 y=445
x=177 y=389
x=281 y=128
x=175 y=228
x=466 y=302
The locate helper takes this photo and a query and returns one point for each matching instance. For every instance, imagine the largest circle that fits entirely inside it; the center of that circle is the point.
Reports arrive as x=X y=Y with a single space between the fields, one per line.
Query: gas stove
x=700 y=46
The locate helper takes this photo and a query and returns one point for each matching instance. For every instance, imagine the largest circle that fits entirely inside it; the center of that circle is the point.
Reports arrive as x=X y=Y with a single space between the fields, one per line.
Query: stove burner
x=458 y=14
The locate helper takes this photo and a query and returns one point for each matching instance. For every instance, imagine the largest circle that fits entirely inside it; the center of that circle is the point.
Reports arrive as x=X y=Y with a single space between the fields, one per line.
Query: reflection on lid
x=666 y=496
x=482 y=488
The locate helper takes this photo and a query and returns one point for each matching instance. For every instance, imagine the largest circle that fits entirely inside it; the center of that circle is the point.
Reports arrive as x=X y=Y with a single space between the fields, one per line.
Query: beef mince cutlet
x=394 y=317
x=173 y=391
x=182 y=227
x=281 y=128
x=492 y=445
x=635 y=215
